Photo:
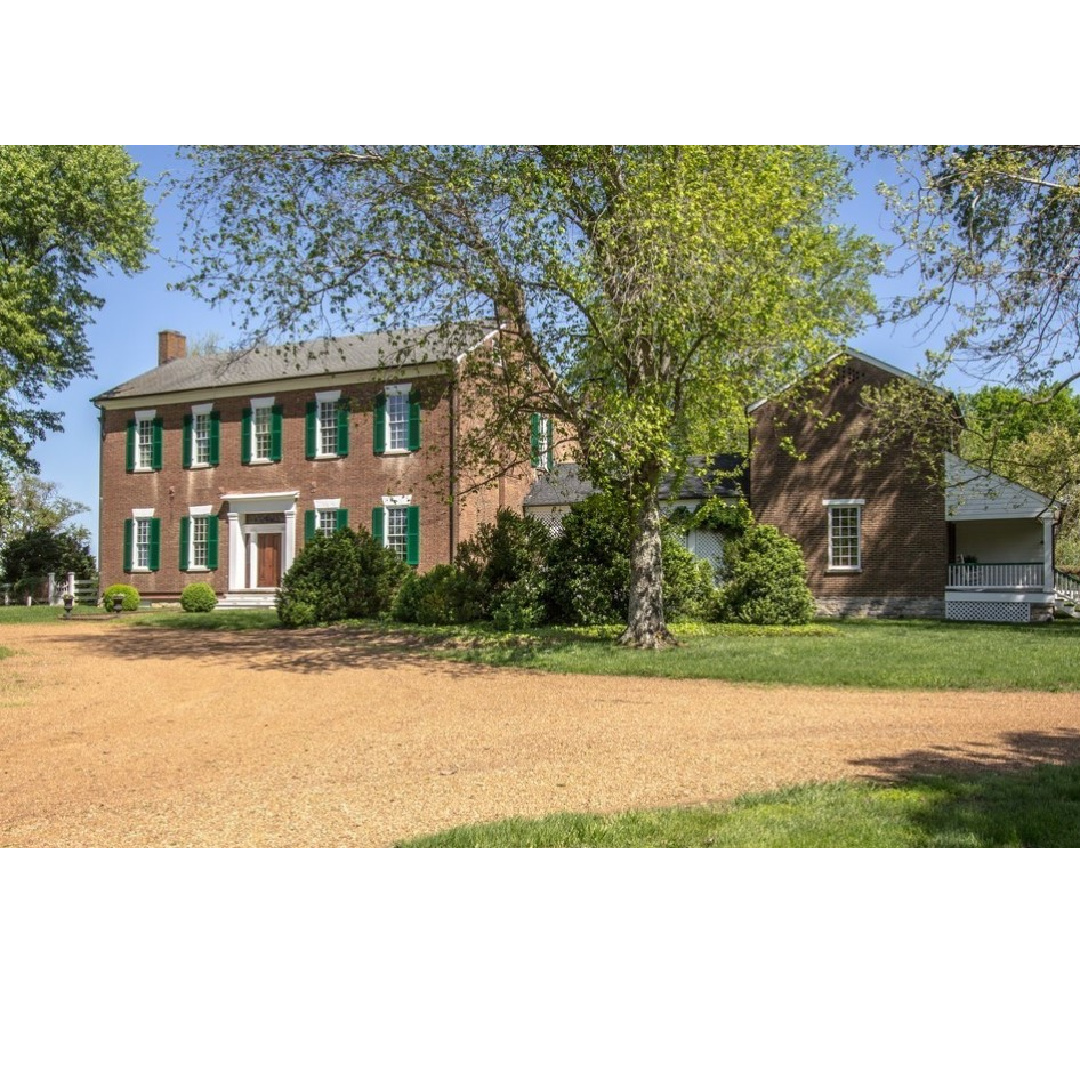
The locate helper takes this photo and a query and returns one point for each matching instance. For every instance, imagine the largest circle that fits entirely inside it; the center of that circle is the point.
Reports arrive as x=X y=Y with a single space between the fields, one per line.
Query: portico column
x=290 y=539
x=236 y=553
x=1048 y=552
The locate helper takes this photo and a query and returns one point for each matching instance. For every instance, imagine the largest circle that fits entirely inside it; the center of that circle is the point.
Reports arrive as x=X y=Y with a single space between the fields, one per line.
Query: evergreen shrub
x=128 y=592
x=198 y=596
x=765 y=579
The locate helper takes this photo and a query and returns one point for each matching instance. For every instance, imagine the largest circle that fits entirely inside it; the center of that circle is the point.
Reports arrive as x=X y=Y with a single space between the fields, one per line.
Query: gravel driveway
x=121 y=736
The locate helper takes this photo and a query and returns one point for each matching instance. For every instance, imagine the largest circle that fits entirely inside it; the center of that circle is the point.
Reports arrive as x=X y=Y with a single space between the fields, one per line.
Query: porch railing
x=1067 y=585
x=996 y=575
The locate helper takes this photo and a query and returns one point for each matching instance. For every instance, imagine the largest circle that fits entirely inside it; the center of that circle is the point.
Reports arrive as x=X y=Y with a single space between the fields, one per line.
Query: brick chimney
x=172 y=345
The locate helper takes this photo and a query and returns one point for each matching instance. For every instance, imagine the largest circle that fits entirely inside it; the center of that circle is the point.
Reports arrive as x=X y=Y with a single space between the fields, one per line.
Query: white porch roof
x=972 y=494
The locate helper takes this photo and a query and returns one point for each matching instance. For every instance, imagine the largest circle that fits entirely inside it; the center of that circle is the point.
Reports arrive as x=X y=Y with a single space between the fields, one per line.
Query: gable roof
x=972 y=493
x=866 y=358
x=324 y=356
x=564 y=485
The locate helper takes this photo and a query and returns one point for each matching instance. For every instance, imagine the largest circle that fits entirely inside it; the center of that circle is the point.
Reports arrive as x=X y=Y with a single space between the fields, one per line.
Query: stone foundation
x=880 y=607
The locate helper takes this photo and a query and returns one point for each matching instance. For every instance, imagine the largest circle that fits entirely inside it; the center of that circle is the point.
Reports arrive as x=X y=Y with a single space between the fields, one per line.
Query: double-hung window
x=396 y=525
x=542 y=442
x=325 y=520
x=144 y=442
x=142 y=542
x=199 y=539
x=396 y=427
x=201 y=439
x=327 y=429
x=260 y=437
x=845 y=533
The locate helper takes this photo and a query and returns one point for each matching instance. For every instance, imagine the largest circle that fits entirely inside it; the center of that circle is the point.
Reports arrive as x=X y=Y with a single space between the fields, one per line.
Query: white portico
x=262 y=541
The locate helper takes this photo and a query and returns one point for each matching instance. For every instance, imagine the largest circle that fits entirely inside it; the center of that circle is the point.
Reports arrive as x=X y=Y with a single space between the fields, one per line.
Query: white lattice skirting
x=988 y=611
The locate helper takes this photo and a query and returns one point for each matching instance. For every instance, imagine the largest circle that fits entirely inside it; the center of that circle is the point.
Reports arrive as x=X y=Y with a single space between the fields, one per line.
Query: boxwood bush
x=766 y=579
x=441 y=597
x=128 y=592
x=198 y=596
x=345 y=576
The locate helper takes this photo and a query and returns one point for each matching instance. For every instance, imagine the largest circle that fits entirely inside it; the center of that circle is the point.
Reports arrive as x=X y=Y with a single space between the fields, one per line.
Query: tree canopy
x=34 y=504
x=649 y=293
x=66 y=214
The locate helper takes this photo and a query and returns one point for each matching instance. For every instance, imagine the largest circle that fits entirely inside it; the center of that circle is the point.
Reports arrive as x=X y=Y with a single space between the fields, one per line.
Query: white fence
x=996 y=575
x=50 y=590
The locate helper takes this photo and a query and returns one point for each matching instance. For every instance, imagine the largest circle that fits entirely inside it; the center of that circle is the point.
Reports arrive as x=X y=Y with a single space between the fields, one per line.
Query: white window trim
x=141 y=514
x=395 y=502
x=256 y=404
x=858 y=504
x=327 y=504
x=392 y=501
x=194 y=512
x=324 y=397
x=200 y=410
x=142 y=415
x=396 y=390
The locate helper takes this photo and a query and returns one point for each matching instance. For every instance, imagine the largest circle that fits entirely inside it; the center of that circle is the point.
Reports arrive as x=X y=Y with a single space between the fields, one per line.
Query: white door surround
x=243 y=538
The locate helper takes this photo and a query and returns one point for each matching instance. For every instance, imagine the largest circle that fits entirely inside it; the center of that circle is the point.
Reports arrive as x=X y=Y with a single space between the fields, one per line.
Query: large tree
x=991 y=235
x=35 y=504
x=66 y=214
x=649 y=293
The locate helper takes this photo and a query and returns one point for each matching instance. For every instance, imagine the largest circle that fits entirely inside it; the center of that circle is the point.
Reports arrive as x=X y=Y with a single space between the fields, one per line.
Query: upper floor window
x=260 y=437
x=845 y=533
x=542 y=442
x=144 y=440
x=327 y=429
x=396 y=428
x=201 y=438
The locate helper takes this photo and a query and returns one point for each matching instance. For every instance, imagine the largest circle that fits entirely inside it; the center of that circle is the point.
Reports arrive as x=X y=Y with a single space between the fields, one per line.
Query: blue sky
x=124 y=334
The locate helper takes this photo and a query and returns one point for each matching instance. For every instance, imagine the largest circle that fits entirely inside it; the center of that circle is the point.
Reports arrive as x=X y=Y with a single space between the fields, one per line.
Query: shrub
x=198 y=596
x=520 y=605
x=344 y=576
x=128 y=592
x=502 y=556
x=441 y=597
x=766 y=579
x=690 y=589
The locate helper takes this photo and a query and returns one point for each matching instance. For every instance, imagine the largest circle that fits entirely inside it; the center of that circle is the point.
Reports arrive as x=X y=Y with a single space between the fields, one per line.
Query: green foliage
x=509 y=555
x=28 y=503
x=729 y=519
x=649 y=292
x=45 y=551
x=67 y=213
x=129 y=594
x=344 y=576
x=520 y=606
x=766 y=579
x=198 y=596
x=441 y=597
x=690 y=589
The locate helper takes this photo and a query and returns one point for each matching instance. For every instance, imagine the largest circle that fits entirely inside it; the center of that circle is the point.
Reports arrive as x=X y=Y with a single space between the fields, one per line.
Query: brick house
x=217 y=468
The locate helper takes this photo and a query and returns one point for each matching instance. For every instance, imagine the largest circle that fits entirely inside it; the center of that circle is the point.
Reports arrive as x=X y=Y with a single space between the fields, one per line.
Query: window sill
x=844 y=570
x=144 y=468
x=197 y=570
x=395 y=453
x=262 y=461
x=200 y=465
x=327 y=457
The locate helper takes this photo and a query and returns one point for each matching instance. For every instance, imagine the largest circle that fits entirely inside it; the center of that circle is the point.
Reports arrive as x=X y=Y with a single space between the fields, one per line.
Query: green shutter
x=188 y=422
x=211 y=543
x=275 y=433
x=309 y=525
x=550 y=444
x=245 y=437
x=342 y=518
x=534 y=439
x=155 y=543
x=310 y=425
x=129 y=525
x=185 y=524
x=412 y=540
x=131 y=446
x=414 y=419
x=159 y=430
x=343 y=429
x=378 y=527
x=378 y=425
x=215 y=438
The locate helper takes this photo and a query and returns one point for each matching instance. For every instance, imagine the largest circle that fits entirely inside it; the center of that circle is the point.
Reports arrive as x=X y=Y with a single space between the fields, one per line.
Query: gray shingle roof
x=565 y=485
x=358 y=352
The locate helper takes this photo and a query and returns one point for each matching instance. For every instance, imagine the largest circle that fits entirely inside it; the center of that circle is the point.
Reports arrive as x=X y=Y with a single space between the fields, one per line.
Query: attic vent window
x=851 y=377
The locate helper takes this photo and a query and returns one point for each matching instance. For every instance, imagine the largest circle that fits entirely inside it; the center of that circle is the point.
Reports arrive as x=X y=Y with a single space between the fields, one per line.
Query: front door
x=268 y=573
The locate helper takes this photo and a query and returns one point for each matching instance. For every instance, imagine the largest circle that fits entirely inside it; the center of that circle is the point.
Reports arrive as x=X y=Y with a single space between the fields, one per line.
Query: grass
x=896 y=655
x=1036 y=807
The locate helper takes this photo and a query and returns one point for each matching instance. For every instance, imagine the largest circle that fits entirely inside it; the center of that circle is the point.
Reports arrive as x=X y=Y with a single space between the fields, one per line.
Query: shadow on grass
x=1023 y=790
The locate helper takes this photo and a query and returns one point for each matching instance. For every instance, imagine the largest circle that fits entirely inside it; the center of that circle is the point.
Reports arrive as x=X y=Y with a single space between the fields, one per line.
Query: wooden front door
x=268 y=575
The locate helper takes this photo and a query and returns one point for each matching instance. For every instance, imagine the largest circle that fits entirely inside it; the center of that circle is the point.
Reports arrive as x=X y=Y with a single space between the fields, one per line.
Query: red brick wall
x=904 y=545
x=359 y=480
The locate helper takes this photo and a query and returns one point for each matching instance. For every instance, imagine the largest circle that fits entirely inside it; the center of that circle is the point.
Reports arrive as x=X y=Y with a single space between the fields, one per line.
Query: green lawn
x=1038 y=807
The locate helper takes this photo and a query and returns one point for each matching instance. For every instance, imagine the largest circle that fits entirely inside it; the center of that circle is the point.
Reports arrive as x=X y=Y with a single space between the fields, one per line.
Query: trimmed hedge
x=198 y=596
x=128 y=592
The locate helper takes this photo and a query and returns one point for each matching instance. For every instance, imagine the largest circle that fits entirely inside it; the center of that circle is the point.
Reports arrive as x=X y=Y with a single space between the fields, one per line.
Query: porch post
x=1048 y=552
x=236 y=553
x=290 y=539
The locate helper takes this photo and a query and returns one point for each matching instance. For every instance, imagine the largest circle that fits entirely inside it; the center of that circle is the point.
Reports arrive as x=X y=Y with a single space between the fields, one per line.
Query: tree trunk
x=646 y=628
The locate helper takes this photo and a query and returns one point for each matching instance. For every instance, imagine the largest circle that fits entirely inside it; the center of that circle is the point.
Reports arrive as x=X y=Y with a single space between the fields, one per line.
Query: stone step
x=234 y=601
